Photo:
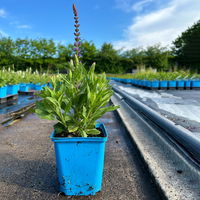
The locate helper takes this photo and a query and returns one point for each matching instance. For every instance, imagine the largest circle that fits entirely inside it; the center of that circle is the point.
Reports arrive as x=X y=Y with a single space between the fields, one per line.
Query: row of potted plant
x=11 y=82
x=22 y=87
x=160 y=80
x=162 y=84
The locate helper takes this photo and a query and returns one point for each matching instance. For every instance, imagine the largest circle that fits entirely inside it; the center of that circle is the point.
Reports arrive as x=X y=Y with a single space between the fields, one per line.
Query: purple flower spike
x=77 y=43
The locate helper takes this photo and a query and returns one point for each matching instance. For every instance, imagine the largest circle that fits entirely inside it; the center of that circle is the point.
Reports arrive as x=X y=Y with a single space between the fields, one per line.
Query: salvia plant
x=76 y=101
x=77 y=42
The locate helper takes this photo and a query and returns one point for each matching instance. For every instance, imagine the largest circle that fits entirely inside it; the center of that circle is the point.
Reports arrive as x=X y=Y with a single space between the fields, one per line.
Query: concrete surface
x=28 y=171
x=179 y=106
x=175 y=175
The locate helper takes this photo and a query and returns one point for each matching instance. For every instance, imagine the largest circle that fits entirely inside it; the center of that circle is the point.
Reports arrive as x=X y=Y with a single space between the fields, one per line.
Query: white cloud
x=130 y=5
x=139 y=6
x=160 y=26
x=24 y=26
x=3 y=13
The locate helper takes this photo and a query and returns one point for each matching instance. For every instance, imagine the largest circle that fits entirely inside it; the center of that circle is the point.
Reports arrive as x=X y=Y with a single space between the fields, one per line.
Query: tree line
x=44 y=54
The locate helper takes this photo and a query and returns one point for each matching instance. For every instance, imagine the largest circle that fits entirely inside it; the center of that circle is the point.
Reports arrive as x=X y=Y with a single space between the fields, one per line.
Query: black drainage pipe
x=183 y=136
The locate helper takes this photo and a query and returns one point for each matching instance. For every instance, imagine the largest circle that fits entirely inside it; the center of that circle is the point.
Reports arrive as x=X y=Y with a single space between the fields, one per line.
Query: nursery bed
x=27 y=164
x=179 y=106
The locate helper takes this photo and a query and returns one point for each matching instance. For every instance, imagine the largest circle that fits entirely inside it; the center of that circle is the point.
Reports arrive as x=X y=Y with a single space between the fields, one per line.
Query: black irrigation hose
x=190 y=143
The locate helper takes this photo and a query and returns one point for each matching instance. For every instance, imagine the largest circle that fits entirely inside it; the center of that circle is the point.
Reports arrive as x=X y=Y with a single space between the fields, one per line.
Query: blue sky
x=124 y=23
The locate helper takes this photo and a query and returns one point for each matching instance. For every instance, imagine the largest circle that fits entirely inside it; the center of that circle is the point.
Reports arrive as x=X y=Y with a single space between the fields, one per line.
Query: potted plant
x=3 y=88
x=12 y=85
x=24 y=87
x=76 y=101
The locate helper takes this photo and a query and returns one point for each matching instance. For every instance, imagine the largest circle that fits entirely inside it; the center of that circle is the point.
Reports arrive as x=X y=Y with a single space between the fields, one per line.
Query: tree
x=157 y=57
x=88 y=52
x=187 y=47
x=7 y=48
x=108 y=59
x=64 y=53
x=136 y=55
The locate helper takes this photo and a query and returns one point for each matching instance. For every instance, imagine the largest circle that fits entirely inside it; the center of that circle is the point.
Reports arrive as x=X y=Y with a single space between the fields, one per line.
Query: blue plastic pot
x=133 y=81
x=31 y=86
x=144 y=83
x=136 y=82
x=80 y=163
x=38 y=87
x=12 y=89
x=50 y=85
x=172 y=84
x=163 y=84
x=44 y=85
x=24 y=88
x=148 y=84
x=18 y=86
x=123 y=80
x=180 y=84
x=188 y=84
x=155 y=84
x=139 y=82
x=128 y=81
x=3 y=92
x=196 y=84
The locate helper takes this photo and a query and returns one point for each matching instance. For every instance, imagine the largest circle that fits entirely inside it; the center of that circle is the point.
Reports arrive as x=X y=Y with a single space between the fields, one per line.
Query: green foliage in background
x=46 y=55
x=187 y=47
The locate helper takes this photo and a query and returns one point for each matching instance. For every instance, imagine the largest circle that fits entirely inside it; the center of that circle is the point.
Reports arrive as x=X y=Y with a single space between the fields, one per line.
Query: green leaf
x=72 y=128
x=84 y=111
x=44 y=115
x=93 y=132
x=53 y=101
x=83 y=133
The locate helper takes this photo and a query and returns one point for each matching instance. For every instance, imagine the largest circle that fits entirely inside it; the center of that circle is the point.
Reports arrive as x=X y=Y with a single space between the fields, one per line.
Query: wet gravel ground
x=27 y=164
x=179 y=106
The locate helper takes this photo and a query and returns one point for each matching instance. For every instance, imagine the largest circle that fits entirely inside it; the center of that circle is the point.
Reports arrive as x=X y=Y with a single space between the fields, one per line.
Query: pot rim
x=82 y=139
